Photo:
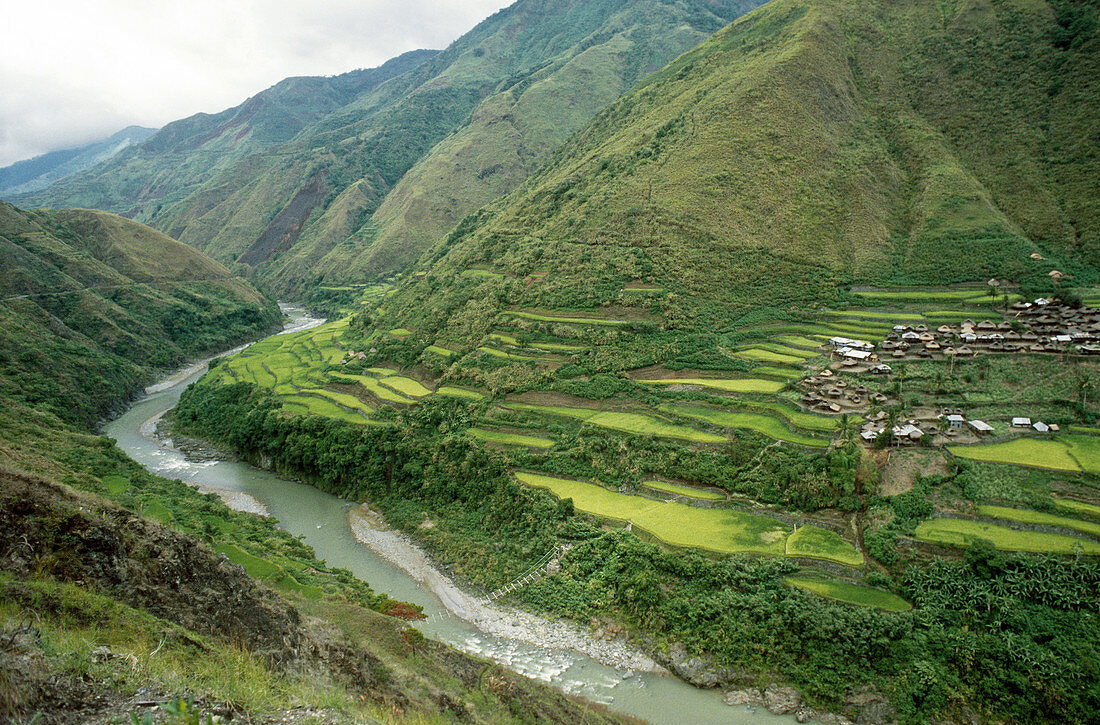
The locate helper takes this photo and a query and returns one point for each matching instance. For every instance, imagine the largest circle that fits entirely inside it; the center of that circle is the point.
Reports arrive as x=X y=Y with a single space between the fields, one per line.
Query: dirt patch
x=658 y=372
x=283 y=231
x=902 y=468
x=541 y=397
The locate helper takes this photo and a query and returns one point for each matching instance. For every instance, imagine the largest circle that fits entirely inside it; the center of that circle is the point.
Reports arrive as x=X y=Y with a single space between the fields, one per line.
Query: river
x=510 y=638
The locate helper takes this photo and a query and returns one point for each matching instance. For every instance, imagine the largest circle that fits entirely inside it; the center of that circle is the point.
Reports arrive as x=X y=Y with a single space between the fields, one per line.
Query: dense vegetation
x=948 y=655
x=93 y=304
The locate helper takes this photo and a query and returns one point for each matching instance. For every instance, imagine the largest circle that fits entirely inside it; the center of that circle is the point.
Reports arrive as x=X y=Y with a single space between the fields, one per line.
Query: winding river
x=607 y=673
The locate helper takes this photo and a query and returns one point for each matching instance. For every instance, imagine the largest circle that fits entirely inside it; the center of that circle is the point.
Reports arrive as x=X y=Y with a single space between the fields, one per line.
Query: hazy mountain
x=39 y=172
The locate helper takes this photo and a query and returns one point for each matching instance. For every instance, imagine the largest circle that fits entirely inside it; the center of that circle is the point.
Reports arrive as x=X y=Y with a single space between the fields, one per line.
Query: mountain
x=182 y=156
x=802 y=148
x=92 y=303
x=23 y=177
x=302 y=207
x=598 y=51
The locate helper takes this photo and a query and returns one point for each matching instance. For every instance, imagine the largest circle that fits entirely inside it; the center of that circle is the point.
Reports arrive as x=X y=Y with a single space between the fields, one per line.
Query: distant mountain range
x=37 y=173
x=307 y=180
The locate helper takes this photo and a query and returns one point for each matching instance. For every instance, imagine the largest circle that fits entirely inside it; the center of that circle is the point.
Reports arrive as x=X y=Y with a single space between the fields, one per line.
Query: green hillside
x=529 y=114
x=808 y=146
x=91 y=304
x=296 y=208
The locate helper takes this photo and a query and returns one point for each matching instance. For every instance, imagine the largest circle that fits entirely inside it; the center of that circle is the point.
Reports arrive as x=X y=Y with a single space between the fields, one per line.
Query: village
x=1042 y=326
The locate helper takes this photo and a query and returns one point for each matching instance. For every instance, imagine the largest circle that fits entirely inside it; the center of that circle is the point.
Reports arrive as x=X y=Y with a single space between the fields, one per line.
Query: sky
x=76 y=71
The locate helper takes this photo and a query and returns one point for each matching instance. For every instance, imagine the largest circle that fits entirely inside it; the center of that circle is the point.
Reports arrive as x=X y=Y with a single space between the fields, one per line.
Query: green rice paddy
x=786 y=350
x=1065 y=504
x=689 y=491
x=764 y=424
x=406 y=386
x=1038 y=517
x=635 y=423
x=453 y=392
x=852 y=593
x=510 y=439
x=566 y=320
x=400 y=332
x=799 y=341
x=720 y=530
x=511 y=355
x=1071 y=452
x=737 y=385
x=962 y=532
x=817 y=543
x=762 y=355
x=438 y=350
x=375 y=388
x=557 y=347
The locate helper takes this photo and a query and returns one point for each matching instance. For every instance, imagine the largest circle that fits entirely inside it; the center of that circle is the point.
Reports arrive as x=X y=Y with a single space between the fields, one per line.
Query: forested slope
x=92 y=304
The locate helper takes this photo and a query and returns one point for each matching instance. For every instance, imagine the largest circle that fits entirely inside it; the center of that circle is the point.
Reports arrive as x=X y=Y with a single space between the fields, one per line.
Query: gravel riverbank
x=493 y=619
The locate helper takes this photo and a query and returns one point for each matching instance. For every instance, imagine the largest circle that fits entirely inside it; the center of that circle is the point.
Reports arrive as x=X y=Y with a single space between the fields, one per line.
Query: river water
x=322 y=520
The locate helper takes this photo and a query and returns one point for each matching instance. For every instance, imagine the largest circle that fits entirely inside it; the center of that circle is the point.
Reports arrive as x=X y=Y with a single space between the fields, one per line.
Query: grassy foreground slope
x=810 y=145
x=91 y=304
x=120 y=559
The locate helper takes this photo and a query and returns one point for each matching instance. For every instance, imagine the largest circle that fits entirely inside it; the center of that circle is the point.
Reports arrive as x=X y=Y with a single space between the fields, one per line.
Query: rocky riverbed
x=492 y=619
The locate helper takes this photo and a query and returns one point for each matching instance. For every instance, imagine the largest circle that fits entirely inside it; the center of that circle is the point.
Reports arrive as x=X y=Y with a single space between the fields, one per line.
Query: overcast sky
x=74 y=71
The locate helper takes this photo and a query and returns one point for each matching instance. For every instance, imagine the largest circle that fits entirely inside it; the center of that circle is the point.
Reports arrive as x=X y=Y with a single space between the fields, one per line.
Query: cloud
x=73 y=71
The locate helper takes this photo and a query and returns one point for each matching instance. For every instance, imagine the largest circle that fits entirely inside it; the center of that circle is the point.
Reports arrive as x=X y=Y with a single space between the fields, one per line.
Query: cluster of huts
x=352 y=355
x=1059 y=326
x=829 y=394
x=947 y=421
x=1047 y=327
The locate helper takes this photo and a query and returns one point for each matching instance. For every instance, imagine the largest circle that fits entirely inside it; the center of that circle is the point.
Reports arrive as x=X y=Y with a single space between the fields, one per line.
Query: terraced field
x=720 y=530
x=974 y=296
x=453 y=392
x=734 y=385
x=689 y=491
x=564 y=319
x=852 y=593
x=962 y=532
x=375 y=387
x=635 y=423
x=1038 y=517
x=763 y=355
x=512 y=355
x=510 y=439
x=817 y=543
x=763 y=424
x=1069 y=452
x=1078 y=507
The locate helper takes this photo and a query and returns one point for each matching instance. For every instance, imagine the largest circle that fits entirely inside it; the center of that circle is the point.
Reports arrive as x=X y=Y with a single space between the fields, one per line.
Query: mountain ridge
x=37 y=173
